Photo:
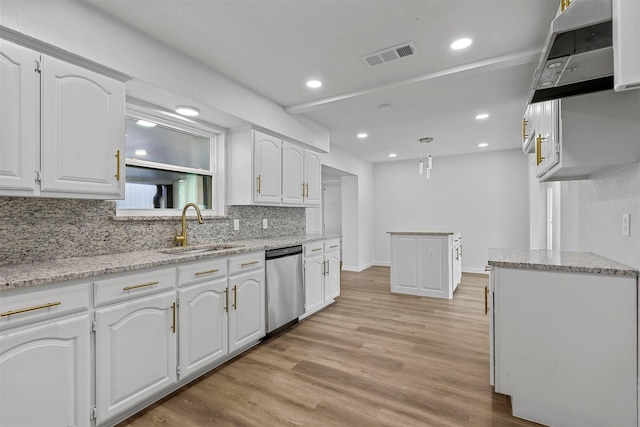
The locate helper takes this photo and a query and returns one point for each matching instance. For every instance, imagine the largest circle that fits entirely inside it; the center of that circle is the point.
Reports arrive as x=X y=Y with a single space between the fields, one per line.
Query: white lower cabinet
x=247 y=322
x=135 y=352
x=203 y=326
x=44 y=374
x=321 y=274
x=45 y=357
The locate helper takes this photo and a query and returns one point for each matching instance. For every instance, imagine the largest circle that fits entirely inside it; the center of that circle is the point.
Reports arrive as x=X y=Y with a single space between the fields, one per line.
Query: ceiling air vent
x=389 y=54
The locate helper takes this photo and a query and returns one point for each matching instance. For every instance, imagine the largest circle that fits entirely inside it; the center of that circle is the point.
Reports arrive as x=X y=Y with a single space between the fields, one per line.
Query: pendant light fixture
x=425 y=164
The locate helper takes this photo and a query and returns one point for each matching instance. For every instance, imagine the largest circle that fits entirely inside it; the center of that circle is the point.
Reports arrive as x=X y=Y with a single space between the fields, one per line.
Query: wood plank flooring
x=370 y=359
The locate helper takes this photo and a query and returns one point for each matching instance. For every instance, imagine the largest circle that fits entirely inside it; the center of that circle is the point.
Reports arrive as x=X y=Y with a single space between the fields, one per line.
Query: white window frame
x=172 y=120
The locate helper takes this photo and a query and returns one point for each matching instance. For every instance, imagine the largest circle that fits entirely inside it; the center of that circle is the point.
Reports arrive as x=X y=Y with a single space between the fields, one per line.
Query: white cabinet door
x=332 y=275
x=44 y=375
x=135 y=352
x=246 y=309
x=313 y=283
x=312 y=178
x=293 y=183
x=203 y=327
x=267 y=170
x=82 y=132
x=456 y=258
x=19 y=119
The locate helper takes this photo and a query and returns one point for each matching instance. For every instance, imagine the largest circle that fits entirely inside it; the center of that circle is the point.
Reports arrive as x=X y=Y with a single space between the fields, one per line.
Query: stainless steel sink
x=199 y=249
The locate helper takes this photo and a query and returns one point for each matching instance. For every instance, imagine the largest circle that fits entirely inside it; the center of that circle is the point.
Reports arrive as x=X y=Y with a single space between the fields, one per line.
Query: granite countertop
x=59 y=270
x=425 y=233
x=577 y=262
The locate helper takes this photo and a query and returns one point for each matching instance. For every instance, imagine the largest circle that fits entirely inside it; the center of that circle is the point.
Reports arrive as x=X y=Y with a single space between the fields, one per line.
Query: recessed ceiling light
x=140 y=152
x=460 y=44
x=362 y=135
x=482 y=116
x=314 y=83
x=483 y=144
x=187 y=111
x=554 y=65
x=145 y=124
x=392 y=155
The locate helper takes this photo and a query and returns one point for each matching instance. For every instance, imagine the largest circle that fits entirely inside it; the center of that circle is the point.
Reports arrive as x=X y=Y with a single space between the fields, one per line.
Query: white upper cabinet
x=266 y=170
x=589 y=135
x=626 y=34
x=62 y=128
x=293 y=180
x=312 y=178
x=82 y=132
x=19 y=118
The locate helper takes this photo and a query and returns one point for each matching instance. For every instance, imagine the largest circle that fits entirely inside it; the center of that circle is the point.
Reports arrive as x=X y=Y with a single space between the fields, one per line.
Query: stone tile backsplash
x=37 y=229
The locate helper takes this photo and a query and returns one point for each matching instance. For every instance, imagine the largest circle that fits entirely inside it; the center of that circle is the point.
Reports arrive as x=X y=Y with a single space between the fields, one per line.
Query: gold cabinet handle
x=24 y=310
x=303 y=189
x=173 y=327
x=328 y=267
x=316 y=249
x=306 y=185
x=142 y=285
x=333 y=246
x=246 y=264
x=226 y=300
x=525 y=122
x=200 y=273
x=235 y=297
x=564 y=4
x=258 y=184
x=118 y=165
x=486 y=299
x=539 y=157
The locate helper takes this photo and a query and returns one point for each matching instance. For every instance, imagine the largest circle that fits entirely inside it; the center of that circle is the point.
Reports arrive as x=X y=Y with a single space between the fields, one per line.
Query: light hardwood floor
x=370 y=359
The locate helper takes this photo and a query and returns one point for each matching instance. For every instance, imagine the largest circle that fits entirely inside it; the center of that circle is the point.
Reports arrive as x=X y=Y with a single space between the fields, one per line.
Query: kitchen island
x=564 y=337
x=426 y=263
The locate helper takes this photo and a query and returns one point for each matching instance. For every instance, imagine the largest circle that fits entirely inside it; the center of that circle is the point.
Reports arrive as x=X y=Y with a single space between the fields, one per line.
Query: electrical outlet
x=265 y=224
x=626 y=225
x=236 y=224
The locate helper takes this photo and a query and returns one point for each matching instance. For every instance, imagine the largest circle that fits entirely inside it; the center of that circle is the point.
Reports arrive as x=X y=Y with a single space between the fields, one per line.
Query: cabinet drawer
x=313 y=248
x=332 y=245
x=34 y=304
x=125 y=286
x=201 y=271
x=241 y=263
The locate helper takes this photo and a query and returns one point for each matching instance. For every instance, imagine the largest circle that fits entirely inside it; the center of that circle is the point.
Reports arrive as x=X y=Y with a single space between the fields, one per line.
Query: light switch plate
x=625 y=225
x=236 y=224
x=265 y=224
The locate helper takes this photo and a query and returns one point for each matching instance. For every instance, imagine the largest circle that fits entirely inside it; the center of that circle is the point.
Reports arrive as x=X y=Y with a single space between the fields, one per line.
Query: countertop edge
x=84 y=267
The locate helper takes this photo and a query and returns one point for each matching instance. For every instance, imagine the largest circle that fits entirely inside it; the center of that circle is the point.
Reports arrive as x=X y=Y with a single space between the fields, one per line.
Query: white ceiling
x=274 y=46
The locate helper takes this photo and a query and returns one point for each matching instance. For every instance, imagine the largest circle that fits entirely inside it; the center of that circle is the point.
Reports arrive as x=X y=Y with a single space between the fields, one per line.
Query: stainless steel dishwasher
x=285 y=287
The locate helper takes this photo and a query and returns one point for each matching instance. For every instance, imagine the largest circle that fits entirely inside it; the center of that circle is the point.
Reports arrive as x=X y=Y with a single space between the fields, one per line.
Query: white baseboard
x=382 y=263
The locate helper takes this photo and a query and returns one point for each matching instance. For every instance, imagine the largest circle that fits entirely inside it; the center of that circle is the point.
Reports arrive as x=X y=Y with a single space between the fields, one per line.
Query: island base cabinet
x=135 y=352
x=566 y=346
x=44 y=375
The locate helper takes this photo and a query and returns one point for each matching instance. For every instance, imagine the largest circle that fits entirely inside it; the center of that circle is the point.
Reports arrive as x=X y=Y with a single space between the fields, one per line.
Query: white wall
x=484 y=196
x=357 y=208
x=80 y=29
x=332 y=207
x=592 y=216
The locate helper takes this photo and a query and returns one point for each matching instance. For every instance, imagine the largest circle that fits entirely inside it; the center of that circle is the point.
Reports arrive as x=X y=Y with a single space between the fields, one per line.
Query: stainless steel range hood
x=578 y=54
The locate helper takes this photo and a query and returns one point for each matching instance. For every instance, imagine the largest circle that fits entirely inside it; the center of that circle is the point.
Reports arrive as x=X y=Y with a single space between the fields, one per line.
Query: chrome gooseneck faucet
x=182 y=239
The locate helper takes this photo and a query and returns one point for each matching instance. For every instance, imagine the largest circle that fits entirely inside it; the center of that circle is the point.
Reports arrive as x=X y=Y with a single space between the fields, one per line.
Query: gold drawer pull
x=128 y=288
x=486 y=300
x=24 y=310
x=333 y=246
x=246 y=264
x=316 y=249
x=118 y=165
x=200 y=273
